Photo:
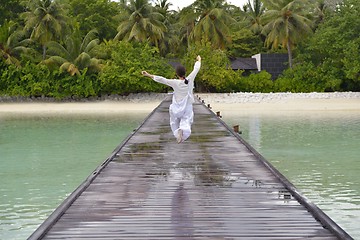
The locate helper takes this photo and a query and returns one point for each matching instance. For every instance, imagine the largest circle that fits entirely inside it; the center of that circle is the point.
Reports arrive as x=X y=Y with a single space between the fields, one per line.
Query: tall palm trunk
x=44 y=52
x=289 y=53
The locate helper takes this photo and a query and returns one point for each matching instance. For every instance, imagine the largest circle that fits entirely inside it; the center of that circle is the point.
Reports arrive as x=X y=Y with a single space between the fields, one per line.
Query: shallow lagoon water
x=318 y=152
x=44 y=158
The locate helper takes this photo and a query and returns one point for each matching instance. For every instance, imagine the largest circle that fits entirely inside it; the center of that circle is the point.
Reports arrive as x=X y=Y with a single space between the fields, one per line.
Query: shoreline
x=265 y=103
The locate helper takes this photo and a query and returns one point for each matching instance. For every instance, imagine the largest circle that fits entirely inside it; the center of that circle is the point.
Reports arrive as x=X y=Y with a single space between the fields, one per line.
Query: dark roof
x=244 y=64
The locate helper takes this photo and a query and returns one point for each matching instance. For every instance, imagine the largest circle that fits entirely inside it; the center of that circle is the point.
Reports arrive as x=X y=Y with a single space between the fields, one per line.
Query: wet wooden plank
x=212 y=186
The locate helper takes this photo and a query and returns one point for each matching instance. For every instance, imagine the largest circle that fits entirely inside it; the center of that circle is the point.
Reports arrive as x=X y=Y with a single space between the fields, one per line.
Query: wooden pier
x=213 y=186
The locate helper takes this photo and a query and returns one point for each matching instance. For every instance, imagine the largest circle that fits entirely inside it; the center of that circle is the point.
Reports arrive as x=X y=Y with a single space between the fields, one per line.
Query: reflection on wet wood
x=209 y=187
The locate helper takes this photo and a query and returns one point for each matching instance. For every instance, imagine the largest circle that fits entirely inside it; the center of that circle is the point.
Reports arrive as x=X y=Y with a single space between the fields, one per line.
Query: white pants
x=181 y=117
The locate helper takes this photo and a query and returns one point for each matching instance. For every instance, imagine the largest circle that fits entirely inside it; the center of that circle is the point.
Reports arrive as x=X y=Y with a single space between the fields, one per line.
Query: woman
x=181 y=109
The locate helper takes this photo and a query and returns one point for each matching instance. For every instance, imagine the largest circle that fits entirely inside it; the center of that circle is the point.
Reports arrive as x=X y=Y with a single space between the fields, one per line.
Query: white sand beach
x=108 y=107
x=280 y=104
x=227 y=103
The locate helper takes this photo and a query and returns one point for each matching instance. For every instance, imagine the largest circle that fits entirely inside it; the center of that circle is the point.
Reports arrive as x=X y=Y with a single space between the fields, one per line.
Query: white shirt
x=181 y=90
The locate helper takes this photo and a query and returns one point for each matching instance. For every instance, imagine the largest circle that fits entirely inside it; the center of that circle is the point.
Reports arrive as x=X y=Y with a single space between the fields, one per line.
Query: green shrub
x=215 y=74
x=256 y=82
x=36 y=80
x=78 y=86
x=306 y=77
x=122 y=74
x=29 y=80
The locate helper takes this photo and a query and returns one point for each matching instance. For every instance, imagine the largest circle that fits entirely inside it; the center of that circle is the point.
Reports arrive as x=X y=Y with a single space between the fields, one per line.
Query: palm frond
x=70 y=68
x=55 y=60
x=55 y=48
x=89 y=37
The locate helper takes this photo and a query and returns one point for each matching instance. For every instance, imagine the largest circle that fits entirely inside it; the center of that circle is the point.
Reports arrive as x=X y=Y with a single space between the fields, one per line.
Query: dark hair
x=180 y=71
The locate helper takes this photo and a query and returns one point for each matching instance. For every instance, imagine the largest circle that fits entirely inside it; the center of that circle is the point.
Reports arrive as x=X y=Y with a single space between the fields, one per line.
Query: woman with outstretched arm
x=181 y=108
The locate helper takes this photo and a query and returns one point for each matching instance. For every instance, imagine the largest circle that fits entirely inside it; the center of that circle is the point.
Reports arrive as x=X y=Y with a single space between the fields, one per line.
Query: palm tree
x=187 y=21
x=12 y=43
x=253 y=13
x=140 y=23
x=286 y=23
x=163 y=6
x=76 y=55
x=171 y=42
x=45 y=20
x=213 y=24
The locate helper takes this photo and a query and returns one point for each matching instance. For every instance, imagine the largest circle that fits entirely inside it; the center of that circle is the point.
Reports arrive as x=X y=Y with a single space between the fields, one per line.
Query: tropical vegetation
x=91 y=48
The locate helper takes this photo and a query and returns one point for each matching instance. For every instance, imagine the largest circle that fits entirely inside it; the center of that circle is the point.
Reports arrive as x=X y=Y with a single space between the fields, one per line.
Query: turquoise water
x=44 y=158
x=318 y=153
